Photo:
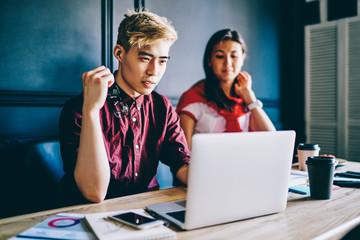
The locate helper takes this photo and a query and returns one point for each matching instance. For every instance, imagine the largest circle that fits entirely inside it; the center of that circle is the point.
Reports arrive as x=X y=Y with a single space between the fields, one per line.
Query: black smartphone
x=137 y=220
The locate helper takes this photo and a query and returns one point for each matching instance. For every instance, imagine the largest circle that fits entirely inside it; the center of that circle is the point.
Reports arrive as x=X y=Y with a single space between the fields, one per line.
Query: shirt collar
x=125 y=97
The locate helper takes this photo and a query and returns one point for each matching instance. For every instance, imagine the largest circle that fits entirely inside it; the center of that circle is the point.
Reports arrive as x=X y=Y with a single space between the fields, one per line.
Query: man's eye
x=219 y=56
x=145 y=59
x=234 y=56
x=163 y=61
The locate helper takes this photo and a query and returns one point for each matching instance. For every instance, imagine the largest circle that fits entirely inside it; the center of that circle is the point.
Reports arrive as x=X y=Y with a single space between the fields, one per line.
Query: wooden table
x=304 y=218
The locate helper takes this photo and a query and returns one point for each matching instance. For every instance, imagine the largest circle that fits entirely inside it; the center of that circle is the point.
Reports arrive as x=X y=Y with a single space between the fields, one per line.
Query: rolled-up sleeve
x=175 y=150
x=69 y=136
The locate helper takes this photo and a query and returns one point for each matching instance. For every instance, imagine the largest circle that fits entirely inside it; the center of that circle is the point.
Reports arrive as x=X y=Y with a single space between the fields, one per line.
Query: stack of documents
x=91 y=227
x=106 y=229
x=60 y=226
x=298 y=178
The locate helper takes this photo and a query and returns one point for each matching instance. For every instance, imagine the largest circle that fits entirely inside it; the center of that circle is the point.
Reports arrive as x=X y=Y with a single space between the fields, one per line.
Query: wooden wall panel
x=46 y=46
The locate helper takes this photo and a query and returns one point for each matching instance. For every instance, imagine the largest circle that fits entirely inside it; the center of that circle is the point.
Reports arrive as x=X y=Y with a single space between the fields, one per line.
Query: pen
x=347 y=174
x=297 y=191
x=347 y=183
x=294 y=190
x=352 y=172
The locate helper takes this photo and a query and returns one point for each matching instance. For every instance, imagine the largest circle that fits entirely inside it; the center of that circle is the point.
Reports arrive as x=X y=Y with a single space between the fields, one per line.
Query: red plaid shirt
x=134 y=145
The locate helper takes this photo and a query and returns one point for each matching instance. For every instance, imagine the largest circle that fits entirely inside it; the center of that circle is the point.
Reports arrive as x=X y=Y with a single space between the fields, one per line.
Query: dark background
x=46 y=45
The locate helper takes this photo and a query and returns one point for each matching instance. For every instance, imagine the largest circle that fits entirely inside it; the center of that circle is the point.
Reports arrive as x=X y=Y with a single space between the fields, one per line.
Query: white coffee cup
x=305 y=150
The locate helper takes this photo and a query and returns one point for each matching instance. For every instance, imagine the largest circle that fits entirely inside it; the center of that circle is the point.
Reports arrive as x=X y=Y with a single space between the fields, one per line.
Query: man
x=114 y=134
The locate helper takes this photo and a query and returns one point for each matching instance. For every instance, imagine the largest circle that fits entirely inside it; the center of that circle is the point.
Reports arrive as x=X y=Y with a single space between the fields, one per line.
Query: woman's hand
x=243 y=88
x=259 y=120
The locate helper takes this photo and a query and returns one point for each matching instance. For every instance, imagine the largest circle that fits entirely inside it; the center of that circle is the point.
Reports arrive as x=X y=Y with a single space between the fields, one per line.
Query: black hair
x=213 y=91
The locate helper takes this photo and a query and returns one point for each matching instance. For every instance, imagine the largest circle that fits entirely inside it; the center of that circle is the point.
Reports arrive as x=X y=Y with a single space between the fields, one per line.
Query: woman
x=224 y=100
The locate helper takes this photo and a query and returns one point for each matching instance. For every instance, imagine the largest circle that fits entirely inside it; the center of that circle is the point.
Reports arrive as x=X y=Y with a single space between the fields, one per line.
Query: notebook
x=71 y=226
x=232 y=176
x=108 y=229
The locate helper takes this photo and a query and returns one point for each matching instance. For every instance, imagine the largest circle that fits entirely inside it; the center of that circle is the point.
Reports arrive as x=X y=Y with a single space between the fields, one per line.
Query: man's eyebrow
x=142 y=53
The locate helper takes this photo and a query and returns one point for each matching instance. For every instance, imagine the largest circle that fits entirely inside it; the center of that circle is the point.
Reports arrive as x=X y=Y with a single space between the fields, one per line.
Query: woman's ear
x=118 y=51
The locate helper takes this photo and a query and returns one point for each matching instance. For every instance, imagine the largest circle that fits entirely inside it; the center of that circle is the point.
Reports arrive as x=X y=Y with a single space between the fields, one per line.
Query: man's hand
x=92 y=170
x=95 y=86
x=183 y=173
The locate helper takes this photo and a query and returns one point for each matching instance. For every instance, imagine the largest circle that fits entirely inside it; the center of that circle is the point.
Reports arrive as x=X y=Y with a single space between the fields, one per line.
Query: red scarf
x=196 y=94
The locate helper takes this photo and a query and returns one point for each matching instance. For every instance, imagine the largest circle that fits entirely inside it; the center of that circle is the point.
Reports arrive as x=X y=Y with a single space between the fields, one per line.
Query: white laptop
x=232 y=176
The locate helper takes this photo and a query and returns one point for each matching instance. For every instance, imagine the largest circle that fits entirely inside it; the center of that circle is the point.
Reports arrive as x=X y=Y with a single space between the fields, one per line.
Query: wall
x=196 y=21
x=291 y=62
x=49 y=44
x=46 y=46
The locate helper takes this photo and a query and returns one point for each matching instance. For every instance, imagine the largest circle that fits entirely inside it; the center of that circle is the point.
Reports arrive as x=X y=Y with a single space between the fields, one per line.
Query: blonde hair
x=144 y=28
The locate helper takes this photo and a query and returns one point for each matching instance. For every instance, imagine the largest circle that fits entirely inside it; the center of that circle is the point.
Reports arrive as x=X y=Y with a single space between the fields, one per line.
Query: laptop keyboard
x=179 y=215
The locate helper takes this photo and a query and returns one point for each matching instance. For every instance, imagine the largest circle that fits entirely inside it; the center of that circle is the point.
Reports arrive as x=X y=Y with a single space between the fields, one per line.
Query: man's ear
x=118 y=52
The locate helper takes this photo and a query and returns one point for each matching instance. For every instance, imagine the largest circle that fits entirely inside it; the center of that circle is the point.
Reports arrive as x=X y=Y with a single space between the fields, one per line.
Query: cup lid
x=308 y=146
x=321 y=160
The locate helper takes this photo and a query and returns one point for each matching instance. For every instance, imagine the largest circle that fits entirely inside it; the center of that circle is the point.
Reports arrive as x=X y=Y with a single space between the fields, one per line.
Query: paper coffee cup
x=321 y=173
x=305 y=150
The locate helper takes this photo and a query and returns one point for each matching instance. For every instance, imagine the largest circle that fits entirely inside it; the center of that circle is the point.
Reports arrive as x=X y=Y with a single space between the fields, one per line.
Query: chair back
x=44 y=171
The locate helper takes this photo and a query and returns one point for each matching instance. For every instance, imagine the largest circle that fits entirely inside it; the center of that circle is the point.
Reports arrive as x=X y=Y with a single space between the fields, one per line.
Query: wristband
x=255 y=104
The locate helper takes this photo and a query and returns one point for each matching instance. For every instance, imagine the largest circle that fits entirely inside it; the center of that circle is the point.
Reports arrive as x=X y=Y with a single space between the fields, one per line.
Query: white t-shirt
x=209 y=121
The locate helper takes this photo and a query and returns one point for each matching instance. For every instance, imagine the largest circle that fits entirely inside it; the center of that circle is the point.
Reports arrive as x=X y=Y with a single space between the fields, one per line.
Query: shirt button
x=134 y=119
x=137 y=146
x=136 y=174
